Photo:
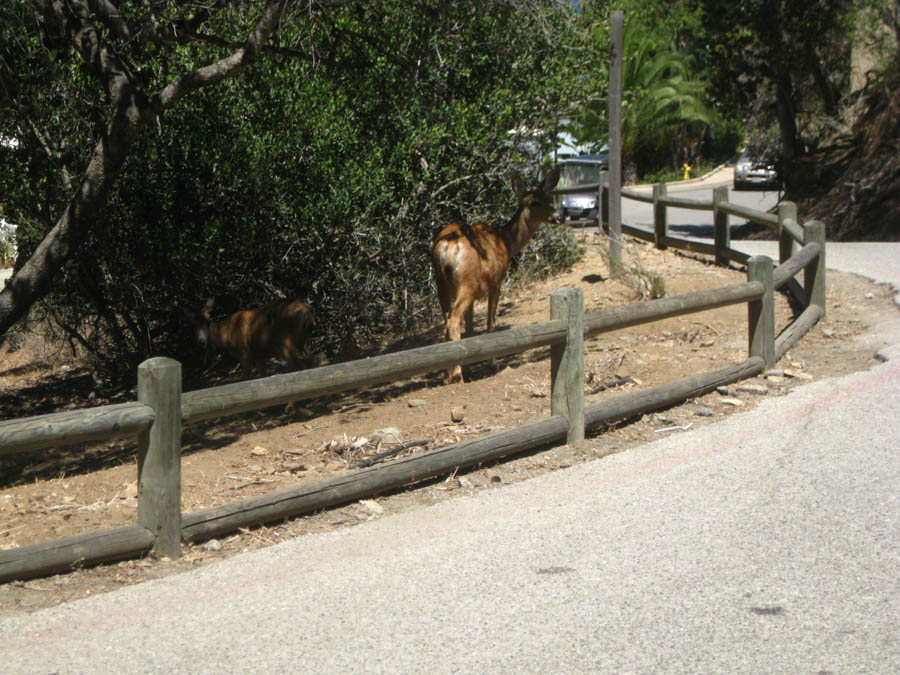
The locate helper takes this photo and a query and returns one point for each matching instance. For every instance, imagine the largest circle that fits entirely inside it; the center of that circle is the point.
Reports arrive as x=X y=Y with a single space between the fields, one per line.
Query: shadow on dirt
x=77 y=389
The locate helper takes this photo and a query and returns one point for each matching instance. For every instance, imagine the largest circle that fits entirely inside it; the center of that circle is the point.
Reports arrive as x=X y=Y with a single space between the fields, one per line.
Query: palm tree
x=664 y=112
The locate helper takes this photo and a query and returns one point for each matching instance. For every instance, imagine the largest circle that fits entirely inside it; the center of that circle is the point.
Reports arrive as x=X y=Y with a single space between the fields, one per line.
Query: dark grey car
x=581 y=170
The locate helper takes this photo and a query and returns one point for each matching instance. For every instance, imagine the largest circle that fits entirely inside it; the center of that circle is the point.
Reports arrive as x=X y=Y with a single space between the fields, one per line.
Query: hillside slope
x=852 y=182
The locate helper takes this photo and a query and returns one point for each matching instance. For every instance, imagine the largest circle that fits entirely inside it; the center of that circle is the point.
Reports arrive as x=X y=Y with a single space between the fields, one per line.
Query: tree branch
x=130 y=111
x=228 y=66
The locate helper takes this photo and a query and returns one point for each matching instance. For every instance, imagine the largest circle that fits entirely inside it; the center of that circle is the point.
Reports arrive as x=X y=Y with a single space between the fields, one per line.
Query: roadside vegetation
x=168 y=153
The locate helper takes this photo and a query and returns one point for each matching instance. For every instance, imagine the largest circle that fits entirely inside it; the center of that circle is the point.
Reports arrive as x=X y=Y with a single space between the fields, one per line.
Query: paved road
x=691 y=222
x=765 y=543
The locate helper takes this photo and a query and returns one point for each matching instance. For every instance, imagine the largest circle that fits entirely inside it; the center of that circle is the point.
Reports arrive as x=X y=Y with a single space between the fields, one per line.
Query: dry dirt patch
x=65 y=492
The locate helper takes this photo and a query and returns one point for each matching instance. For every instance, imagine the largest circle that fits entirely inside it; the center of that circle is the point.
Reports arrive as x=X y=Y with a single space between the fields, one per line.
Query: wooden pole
x=670 y=393
x=353 y=485
x=616 y=29
x=639 y=313
x=238 y=397
x=761 y=313
x=83 y=550
x=159 y=455
x=73 y=426
x=786 y=211
x=798 y=328
x=567 y=362
x=660 y=219
x=722 y=233
x=603 y=203
x=814 y=274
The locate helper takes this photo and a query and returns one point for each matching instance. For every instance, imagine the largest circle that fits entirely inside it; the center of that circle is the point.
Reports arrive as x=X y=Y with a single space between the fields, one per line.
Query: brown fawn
x=470 y=261
x=281 y=328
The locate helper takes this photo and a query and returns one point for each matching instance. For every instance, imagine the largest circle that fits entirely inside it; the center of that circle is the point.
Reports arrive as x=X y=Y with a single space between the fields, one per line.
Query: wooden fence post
x=603 y=203
x=721 y=231
x=567 y=362
x=660 y=219
x=786 y=211
x=159 y=455
x=761 y=313
x=814 y=274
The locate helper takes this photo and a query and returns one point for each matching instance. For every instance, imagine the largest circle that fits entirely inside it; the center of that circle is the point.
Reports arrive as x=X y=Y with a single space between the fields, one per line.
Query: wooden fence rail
x=75 y=426
x=791 y=235
x=161 y=411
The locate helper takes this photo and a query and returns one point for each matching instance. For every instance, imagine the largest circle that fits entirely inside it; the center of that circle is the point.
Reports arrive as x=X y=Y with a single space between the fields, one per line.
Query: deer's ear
x=552 y=178
x=206 y=312
x=518 y=185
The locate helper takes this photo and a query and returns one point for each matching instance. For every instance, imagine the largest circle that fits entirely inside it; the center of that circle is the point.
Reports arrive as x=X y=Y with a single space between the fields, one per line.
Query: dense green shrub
x=312 y=180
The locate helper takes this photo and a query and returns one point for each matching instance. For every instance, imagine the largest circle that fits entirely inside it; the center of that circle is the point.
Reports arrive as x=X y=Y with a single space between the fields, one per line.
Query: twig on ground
x=609 y=385
x=259 y=481
x=700 y=323
x=681 y=428
x=28 y=587
x=254 y=535
x=310 y=430
x=369 y=461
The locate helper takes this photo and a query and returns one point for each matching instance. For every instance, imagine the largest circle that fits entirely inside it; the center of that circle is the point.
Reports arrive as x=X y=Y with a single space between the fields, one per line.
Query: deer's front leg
x=470 y=321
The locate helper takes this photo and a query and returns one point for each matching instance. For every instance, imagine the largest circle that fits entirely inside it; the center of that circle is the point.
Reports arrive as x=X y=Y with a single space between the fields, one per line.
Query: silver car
x=751 y=171
x=582 y=170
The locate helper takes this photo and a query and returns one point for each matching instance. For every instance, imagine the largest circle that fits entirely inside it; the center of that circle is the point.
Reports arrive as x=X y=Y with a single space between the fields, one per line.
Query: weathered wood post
x=786 y=211
x=660 y=216
x=814 y=274
x=616 y=33
x=761 y=313
x=567 y=362
x=159 y=455
x=603 y=203
x=721 y=231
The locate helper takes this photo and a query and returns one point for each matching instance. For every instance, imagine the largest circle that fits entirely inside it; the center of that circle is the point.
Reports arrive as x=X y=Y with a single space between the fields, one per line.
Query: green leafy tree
x=782 y=64
x=322 y=172
x=83 y=55
x=665 y=111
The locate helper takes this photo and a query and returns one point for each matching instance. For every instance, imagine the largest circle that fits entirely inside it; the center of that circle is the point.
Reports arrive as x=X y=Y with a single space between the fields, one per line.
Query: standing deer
x=280 y=328
x=470 y=261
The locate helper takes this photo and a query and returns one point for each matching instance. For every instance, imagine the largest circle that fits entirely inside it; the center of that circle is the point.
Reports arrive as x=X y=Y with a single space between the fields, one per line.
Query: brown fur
x=470 y=261
x=280 y=328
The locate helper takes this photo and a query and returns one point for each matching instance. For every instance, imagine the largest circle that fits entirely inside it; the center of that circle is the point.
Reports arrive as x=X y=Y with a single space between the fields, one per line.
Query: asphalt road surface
x=692 y=222
x=765 y=543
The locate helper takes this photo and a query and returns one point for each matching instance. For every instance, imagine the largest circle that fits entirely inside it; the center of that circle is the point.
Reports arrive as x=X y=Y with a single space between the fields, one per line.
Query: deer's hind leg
x=493 y=301
x=292 y=353
x=462 y=308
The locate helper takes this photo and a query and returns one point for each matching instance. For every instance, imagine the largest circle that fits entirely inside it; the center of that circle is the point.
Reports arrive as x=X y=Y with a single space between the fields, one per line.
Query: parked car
x=581 y=170
x=752 y=170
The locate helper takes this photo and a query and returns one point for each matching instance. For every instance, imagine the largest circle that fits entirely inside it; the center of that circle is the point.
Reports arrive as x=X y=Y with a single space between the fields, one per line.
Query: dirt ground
x=69 y=491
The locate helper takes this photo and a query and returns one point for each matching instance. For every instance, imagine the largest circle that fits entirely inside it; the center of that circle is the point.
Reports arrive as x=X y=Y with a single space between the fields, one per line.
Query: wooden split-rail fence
x=162 y=409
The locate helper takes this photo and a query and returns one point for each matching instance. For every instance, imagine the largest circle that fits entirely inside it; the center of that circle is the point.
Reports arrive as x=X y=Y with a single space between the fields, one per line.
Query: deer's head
x=537 y=203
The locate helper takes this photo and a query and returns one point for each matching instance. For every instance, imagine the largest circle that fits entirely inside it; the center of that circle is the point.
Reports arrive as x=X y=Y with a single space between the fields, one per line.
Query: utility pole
x=616 y=30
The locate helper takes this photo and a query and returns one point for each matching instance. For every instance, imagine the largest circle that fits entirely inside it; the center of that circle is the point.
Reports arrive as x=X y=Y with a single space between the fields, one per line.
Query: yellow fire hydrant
x=687 y=171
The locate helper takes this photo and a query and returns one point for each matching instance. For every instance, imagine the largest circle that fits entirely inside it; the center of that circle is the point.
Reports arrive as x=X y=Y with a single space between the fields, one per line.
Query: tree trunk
x=130 y=110
x=32 y=281
x=784 y=95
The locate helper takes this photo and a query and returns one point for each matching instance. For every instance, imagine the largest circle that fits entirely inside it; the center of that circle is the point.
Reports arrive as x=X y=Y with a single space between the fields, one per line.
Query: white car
x=751 y=171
